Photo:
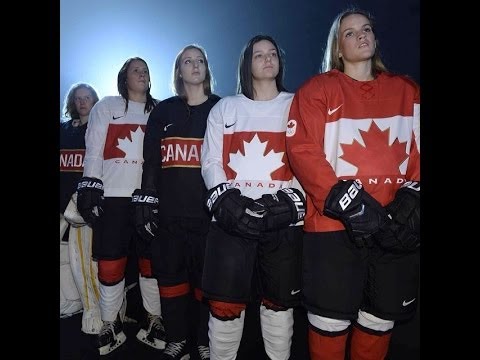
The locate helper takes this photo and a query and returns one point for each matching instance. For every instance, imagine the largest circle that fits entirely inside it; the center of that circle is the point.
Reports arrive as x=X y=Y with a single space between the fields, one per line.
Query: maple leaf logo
x=133 y=148
x=377 y=156
x=254 y=164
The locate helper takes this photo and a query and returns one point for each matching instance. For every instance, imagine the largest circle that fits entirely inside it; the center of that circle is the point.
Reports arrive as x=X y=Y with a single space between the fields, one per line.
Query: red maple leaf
x=376 y=157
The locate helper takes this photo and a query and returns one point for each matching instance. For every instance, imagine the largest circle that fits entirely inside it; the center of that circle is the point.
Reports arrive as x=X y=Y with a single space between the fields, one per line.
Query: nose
x=268 y=57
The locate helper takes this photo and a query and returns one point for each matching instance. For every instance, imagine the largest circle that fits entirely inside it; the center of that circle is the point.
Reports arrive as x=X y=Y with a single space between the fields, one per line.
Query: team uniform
x=245 y=147
x=172 y=149
x=340 y=128
x=114 y=143
x=79 y=287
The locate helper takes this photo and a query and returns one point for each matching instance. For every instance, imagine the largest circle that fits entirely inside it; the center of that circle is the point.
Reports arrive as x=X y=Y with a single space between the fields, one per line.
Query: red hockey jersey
x=340 y=128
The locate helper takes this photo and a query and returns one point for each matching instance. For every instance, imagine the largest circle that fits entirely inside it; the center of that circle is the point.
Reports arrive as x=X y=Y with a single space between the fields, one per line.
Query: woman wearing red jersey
x=353 y=141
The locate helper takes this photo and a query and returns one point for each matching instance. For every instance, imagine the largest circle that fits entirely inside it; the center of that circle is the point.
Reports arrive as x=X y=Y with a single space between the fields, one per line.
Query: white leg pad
x=225 y=337
x=111 y=299
x=85 y=274
x=70 y=302
x=277 y=331
x=150 y=295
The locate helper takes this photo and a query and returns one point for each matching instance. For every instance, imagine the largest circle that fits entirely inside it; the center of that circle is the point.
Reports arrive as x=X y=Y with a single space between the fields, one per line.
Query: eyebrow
x=351 y=28
x=257 y=51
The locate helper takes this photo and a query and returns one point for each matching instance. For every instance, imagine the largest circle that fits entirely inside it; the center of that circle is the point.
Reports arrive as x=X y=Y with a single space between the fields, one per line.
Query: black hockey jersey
x=72 y=153
x=171 y=151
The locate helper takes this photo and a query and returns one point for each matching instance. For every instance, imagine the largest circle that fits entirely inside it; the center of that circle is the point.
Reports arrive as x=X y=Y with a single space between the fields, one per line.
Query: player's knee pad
x=327 y=324
x=372 y=322
x=226 y=311
x=111 y=272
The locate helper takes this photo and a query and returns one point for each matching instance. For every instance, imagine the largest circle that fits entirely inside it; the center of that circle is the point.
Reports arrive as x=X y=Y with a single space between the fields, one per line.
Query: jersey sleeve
x=305 y=143
x=95 y=138
x=152 y=154
x=212 y=149
x=413 y=168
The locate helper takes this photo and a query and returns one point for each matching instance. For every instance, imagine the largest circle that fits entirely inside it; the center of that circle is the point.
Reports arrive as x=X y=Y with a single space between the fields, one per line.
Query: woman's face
x=138 y=77
x=265 y=61
x=83 y=100
x=356 y=39
x=192 y=67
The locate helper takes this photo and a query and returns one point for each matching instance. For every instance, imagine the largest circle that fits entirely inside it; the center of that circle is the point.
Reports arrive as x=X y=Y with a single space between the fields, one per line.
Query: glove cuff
x=296 y=200
x=89 y=183
x=145 y=197
x=215 y=195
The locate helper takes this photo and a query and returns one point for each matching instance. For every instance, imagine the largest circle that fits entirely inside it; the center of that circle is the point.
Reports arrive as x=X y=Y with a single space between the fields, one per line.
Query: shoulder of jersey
x=66 y=124
x=170 y=100
x=214 y=98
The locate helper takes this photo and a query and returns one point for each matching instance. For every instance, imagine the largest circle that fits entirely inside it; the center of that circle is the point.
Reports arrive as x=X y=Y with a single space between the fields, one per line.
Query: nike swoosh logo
x=406 y=303
x=227 y=126
x=117 y=117
x=293 y=292
x=166 y=127
x=330 y=112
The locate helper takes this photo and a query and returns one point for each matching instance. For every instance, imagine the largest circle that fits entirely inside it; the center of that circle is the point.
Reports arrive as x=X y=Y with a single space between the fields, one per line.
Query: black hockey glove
x=359 y=212
x=285 y=207
x=230 y=209
x=145 y=204
x=90 y=199
x=401 y=234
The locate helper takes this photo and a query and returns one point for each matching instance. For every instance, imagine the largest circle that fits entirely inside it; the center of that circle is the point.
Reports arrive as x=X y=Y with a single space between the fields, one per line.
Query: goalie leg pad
x=71 y=213
x=85 y=275
x=69 y=297
x=63 y=227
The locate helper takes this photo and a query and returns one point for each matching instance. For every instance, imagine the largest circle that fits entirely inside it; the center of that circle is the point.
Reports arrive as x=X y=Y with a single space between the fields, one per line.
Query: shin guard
x=369 y=344
x=326 y=345
x=277 y=331
x=225 y=337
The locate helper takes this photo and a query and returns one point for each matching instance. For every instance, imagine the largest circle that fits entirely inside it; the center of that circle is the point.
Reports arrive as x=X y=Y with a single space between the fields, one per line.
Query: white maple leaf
x=133 y=149
x=254 y=165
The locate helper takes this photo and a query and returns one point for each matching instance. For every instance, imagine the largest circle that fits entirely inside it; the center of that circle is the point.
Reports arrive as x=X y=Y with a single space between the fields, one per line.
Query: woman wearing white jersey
x=244 y=159
x=112 y=171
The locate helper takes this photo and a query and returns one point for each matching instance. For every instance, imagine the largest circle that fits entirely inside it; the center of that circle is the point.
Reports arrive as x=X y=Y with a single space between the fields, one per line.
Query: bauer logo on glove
x=280 y=210
x=233 y=213
x=359 y=212
x=90 y=199
x=139 y=198
x=215 y=193
x=145 y=203
x=90 y=183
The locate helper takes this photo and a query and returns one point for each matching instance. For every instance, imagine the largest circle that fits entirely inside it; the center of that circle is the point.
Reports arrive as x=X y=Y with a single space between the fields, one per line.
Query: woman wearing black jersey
x=170 y=210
